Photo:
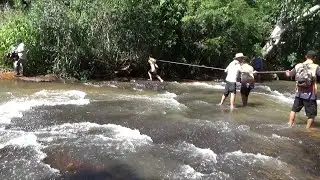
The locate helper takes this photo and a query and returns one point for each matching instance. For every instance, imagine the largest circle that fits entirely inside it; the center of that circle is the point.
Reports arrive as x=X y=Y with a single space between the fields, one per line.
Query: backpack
x=304 y=76
x=247 y=79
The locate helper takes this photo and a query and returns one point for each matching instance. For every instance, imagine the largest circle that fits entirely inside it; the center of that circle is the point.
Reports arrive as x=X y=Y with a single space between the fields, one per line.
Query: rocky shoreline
x=8 y=74
x=41 y=78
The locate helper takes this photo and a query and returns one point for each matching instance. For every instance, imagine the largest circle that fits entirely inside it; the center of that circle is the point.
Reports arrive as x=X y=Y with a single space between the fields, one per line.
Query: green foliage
x=93 y=38
x=18 y=26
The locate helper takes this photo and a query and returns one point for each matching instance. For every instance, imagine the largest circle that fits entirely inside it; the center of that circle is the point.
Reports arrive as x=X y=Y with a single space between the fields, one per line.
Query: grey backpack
x=304 y=76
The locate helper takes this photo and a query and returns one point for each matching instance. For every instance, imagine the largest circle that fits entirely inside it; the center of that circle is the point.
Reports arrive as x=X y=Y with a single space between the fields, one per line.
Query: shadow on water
x=117 y=172
x=74 y=167
x=250 y=105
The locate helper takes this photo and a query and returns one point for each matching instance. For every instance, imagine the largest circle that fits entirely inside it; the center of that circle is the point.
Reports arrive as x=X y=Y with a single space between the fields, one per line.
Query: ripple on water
x=21 y=157
x=244 y=164
x=15 y=107
x=114 y=138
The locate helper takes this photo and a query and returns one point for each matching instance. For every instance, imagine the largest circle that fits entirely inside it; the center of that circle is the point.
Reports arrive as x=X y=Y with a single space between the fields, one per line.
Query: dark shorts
x=245 y=89
x=229 y=88
x=154 y=73
x=310 y=107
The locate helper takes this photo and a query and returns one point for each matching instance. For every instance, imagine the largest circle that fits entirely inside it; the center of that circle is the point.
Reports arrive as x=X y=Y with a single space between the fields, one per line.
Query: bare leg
x=222 y=100
x=232 y=100
x=309 y=123
x=21 y=67
x=150 y=76
x=244 y=100
x=159 y=78
x=15 y=67
x=291 y=118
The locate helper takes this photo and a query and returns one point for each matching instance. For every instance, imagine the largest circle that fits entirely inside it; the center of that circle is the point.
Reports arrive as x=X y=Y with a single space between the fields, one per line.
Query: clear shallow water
x=145 y=130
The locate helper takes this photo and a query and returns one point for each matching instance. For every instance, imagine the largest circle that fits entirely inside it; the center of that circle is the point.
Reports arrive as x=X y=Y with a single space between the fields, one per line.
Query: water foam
x=187 y=172
x=283 y=97
x=26 y=140
x=250 y=158
x=99 y=85
x=113 y=137
x=280 y=137
x=204 y=155
x=15 y=107
x=166 y=99
x=205 y=85
x=246 y=162
x=136 y=89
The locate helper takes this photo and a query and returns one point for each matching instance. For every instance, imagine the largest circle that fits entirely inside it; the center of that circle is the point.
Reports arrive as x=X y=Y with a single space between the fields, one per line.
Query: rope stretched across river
x=209 y=67
x=202 y=66
x=269 y=72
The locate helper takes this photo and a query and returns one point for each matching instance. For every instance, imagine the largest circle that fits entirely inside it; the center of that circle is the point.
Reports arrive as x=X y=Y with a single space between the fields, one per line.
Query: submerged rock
x=71 y=166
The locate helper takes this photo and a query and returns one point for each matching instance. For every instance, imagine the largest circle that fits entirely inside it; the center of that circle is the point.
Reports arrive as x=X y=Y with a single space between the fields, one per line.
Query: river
x=150 y=130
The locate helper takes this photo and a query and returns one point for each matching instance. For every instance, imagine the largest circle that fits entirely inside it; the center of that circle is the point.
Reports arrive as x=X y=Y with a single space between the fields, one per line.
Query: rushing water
x=151 y=130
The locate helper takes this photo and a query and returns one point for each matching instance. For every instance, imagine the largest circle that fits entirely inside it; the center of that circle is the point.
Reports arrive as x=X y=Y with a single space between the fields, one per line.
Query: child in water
x=153 y=70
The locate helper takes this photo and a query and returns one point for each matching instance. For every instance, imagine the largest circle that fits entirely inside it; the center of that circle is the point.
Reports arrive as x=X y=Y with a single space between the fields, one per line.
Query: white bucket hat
x=238 y=55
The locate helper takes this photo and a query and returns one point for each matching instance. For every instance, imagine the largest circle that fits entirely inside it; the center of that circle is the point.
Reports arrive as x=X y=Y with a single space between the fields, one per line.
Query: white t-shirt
x=20 y=51
x=232 y=71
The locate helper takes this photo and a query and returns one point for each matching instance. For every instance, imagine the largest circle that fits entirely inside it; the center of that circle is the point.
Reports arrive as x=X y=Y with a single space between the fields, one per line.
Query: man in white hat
x=233 y=71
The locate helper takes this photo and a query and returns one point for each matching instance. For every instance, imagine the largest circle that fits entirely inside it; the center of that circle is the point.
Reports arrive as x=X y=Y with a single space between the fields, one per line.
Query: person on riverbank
x=247 y=81
x=153 y=69
x=305 y=75
x=18 y=63
x=233 y=71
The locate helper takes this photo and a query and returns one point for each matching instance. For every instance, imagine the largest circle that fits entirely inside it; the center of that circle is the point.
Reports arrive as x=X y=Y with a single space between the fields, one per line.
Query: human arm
x=228 y=67
x=156 y=65
x=291 y=73
x=318 y=71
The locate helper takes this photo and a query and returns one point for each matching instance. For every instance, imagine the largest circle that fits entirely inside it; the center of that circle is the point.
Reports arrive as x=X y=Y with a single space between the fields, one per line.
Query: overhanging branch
x=280 y=28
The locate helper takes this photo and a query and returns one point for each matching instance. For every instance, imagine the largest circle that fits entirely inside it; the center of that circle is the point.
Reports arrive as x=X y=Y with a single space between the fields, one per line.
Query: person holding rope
x=233 y=70
x=247 y=81
x=305 y=74
x=153 y=70
x=18 y=55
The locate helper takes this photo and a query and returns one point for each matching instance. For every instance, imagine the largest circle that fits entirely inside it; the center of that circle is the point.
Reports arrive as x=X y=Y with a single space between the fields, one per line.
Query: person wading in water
x=153 y=70
x=247 y=81
x=305 y=74
x=233 y=71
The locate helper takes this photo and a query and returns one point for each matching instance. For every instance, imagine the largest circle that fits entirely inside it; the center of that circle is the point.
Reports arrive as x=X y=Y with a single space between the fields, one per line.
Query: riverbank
x=41 y=78
x=8 y=74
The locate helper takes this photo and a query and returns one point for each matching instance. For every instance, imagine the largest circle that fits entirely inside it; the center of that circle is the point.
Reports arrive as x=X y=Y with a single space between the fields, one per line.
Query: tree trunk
x=280 y=28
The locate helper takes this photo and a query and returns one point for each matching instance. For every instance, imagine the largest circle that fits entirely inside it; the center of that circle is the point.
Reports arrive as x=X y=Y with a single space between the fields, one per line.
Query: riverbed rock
x=72 y=166
x=42 y=78
x=7 y=75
